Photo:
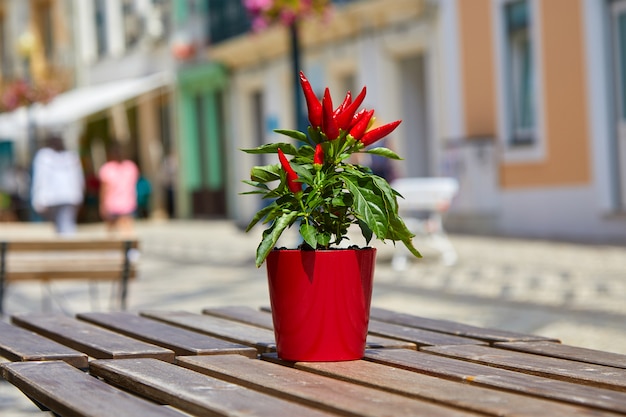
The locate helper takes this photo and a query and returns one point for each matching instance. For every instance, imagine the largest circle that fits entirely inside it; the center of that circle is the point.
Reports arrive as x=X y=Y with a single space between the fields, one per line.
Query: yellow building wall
x=477 y=70
x=564 y=102
x=43 y=69
x=564 y=95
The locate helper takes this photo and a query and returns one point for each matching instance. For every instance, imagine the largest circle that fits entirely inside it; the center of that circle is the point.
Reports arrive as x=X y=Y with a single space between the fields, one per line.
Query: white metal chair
x=425 y=201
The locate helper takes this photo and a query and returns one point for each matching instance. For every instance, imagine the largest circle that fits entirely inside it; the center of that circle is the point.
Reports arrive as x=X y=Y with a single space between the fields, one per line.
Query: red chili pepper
x=379 y=133
x=357 y=117
x=312 y=102
x=344 y=119
x=292 y=184
x=318 y=157
x=360 y=127
x=346 y=102
x=329 y=124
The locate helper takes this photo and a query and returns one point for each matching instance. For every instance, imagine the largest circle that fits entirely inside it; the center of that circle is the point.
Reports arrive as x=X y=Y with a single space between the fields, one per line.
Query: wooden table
x=222 y=362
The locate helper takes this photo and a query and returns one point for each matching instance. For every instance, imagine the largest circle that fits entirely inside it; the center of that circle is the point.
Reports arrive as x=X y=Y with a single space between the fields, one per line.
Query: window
x=5 y=60
x=46 y=29
x=519 y=73
x=227 y=19
x=620 y=49
x=159 y=24
x=101 y=27
x=133 y=24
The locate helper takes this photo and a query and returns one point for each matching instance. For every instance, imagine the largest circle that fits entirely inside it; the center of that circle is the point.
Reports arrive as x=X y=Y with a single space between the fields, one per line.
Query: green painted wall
x=205 y=81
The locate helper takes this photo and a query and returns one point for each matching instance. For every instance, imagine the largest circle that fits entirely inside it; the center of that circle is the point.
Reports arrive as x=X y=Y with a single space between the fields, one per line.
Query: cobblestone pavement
x=573 y=292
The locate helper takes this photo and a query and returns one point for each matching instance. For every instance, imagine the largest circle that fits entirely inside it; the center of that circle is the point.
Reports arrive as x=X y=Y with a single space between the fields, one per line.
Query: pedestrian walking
x=118 y=191
x=58 y=185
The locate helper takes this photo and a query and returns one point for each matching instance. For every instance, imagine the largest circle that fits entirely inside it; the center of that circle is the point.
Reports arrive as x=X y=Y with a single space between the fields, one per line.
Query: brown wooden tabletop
x=222 y=361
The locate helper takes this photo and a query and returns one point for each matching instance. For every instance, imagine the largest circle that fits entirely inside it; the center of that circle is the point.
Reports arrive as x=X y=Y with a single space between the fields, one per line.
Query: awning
x=79 y=103
x=10 y=125
x=74 y=105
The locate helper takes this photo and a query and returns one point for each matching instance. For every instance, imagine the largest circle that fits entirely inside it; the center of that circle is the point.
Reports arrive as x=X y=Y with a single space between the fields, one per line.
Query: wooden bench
x=75 y=259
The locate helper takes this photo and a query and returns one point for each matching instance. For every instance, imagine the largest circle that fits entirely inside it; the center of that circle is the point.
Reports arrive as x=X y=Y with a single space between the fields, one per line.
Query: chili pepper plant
x=316 y=185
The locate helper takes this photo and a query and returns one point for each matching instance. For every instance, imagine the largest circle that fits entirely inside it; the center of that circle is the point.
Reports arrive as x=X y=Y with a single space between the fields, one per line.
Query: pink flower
x=258 y=6
x=284 y=11
x=259 y=23
x=287 y=17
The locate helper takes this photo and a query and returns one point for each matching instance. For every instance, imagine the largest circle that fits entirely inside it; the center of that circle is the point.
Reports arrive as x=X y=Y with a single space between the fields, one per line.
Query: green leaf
x=323 y=239
x=260 y=185
x=294 y=134
x=305 y=154
x=409 y=245
x=399 y=231
x=265 y=173
x=313 y=200
x=304 y=172
x=388 y=194
x=259 y=215
x=253 y=183
x=271 y=235
x=314 y=133
x=367 y=204
x=287 y=148
x=253 y=192
x=309 y=233
x=342 y=200
x=366 y=232
x=387 y=153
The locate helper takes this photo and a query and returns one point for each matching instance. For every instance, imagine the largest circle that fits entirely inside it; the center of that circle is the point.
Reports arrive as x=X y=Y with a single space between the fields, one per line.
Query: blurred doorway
x=209 y=200
x=415 y=116
x=618 y=29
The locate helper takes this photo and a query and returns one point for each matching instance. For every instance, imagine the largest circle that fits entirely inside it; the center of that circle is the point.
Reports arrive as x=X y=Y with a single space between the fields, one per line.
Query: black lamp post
x=300 y=120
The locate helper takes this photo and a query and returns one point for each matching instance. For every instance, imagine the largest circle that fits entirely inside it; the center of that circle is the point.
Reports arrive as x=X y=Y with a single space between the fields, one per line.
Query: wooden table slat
x=471 y=397
x=572 y=371
x=17 y=344
x=68 y=391
x=454 y=328
x=263 y=319
x=492 y=372
x=181 y=341
x=88 y=338
x=574 y=353
x=243 y=314
x=260 y=339
x=318 y=391
x=420 y=337
x=487 y=376
x=194 y=392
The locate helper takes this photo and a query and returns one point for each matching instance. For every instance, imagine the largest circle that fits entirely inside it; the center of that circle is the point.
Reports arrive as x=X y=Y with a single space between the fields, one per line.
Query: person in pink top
x=118 y=192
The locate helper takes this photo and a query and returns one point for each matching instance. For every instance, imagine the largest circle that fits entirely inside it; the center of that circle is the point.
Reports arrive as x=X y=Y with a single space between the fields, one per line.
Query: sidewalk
x=192 y=264
x=573 y=292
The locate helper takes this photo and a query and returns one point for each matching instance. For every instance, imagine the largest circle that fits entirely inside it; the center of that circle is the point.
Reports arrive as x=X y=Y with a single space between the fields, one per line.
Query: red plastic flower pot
x=321 y=302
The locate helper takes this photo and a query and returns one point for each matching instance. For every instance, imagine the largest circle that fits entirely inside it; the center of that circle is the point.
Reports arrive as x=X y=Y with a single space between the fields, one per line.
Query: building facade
x=543 y=79
x=124 y=59
x=36 y=47
x=521 y=100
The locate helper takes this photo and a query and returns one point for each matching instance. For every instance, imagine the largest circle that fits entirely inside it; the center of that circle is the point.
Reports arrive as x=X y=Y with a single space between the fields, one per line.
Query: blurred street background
x=522 y=103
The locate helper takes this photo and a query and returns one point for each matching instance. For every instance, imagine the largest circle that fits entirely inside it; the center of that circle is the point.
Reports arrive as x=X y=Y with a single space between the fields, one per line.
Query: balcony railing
x=228 y=18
